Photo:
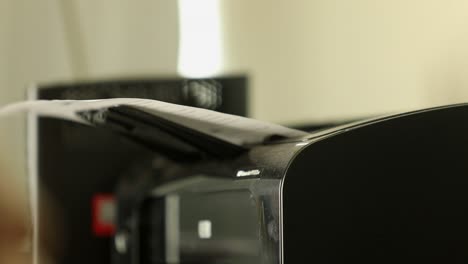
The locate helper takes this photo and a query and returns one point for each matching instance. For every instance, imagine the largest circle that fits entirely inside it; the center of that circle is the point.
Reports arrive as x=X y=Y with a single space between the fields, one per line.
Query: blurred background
x=307 y=61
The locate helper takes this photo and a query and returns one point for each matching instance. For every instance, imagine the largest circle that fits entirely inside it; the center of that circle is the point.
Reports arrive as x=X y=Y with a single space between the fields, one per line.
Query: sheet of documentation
x=235 y=129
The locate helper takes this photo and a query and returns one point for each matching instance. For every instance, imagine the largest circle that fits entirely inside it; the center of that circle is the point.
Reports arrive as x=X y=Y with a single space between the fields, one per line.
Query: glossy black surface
x=389 y=190
x=244 y=211
x=393 y=191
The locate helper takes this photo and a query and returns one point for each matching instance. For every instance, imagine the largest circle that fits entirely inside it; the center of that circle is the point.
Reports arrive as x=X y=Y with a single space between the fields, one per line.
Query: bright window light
x=199 y=38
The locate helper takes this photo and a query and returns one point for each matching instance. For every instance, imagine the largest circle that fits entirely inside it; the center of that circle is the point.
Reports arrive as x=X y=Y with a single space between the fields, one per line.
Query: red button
x=103 y=206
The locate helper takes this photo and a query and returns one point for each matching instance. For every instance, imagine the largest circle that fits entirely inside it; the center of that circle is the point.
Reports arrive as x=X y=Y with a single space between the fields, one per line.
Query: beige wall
x=53 y=40
x=309 y=60
x=329 y=59
x=124 y=38
x=31 y=49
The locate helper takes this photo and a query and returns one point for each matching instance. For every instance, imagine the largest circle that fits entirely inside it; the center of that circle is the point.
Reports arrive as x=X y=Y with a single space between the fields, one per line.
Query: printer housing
x=386 y=190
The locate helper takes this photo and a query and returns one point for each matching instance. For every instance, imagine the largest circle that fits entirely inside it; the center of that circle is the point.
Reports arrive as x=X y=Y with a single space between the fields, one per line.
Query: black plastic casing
x=388 y=190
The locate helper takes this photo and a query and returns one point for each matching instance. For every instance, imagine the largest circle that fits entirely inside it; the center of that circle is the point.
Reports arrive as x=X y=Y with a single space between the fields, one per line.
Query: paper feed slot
x=178 y=131
x=161 y=135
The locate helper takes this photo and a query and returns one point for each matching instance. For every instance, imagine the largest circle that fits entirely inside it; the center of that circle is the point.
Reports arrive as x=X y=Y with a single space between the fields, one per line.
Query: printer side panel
x=389 y=192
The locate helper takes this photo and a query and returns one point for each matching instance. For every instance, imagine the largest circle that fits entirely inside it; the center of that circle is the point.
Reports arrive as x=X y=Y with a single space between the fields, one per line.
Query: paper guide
x=234 y=129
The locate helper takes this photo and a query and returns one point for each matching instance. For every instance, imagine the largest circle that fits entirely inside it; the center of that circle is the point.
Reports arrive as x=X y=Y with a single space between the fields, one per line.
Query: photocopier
x=392 y=189
x=387 y=190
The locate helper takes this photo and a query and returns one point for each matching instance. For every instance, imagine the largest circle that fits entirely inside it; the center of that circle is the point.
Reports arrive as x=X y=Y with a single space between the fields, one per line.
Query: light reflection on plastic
x=199 y=38
x=204 y=229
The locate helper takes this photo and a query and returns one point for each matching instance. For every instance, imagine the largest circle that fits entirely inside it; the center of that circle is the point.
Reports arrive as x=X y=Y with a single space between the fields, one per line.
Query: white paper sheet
x=234 y=129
